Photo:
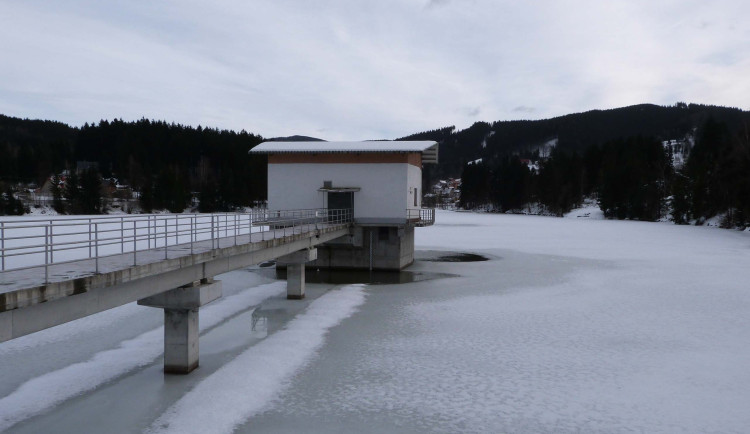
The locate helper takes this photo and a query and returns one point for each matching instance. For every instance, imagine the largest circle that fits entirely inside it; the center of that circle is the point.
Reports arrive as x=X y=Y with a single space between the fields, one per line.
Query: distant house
x=533 y=166
x=446 y=193
x=45 y=191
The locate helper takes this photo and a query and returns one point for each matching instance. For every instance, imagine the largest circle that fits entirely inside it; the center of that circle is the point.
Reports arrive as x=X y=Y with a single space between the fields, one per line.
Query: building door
x=339 y=201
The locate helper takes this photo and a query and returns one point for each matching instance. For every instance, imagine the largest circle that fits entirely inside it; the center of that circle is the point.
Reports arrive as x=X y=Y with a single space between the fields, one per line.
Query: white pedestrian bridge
x=60 y=269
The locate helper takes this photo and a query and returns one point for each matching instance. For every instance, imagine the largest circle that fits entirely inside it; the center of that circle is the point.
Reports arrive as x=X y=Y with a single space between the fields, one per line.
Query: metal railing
x=33 y=243
x=279 y=218
x=421 y=216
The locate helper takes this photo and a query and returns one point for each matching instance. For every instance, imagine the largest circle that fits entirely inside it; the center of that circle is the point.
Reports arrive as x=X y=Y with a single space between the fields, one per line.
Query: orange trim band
x=413 y=158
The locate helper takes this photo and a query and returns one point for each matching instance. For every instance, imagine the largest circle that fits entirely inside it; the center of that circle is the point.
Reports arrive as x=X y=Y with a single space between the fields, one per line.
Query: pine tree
x=9 y=205
x=72 y=193
x=510 y=183
x=146 y=196
x=681 y=199
x=57 y=195
x=475 y=182
x=91 y=192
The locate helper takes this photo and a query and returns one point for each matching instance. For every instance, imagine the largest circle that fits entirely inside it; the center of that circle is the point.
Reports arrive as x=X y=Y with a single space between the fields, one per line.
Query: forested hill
x=573 y=132
x=686 y=163
x=164 y=161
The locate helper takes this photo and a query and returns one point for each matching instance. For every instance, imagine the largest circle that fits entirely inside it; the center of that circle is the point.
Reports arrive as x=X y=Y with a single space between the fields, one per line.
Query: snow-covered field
x=573 y=325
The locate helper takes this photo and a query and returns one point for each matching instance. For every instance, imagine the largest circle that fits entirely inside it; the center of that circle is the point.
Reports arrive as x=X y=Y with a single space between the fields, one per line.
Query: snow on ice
x=144 y=349
x=221 y=402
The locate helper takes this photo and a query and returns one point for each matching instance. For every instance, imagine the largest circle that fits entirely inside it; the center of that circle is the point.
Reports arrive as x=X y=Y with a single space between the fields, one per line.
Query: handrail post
x=166 y=240
x=89 y=238
x=51 y=244
x=122 y=234
x=96 y=248
x=235 y=229
x=46 y=258
x=135 y=243
x=2 y=242
x=192 y=225
x=176 y=230
x=212 y=231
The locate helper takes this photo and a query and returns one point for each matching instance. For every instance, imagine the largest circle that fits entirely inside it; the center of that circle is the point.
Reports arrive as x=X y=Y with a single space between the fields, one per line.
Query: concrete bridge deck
x=37 y=297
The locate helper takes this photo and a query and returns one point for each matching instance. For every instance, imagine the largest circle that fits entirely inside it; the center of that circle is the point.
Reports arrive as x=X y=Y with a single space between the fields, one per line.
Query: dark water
x=375 y=277
x=345 y=277
x=441 y=256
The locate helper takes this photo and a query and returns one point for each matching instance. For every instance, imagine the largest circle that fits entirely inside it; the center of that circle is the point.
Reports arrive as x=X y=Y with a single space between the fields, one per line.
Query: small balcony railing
x=288 y=218
x=421 y=217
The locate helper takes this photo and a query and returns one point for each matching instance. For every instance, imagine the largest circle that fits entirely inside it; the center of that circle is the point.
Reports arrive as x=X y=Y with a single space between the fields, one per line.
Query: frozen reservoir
x=569 y=325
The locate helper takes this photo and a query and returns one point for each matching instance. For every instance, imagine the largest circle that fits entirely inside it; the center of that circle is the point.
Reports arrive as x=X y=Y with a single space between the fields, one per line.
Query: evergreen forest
x=164 y=164
x=618 y=157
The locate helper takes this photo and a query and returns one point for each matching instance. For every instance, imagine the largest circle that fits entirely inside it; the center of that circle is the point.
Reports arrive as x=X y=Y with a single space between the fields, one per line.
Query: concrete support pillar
x=295 y=281
x=181 y=331
x=295 y=271
x=180 y=340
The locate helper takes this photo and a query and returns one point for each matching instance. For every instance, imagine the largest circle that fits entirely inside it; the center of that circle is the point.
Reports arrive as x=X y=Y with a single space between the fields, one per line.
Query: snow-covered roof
x=428 y=148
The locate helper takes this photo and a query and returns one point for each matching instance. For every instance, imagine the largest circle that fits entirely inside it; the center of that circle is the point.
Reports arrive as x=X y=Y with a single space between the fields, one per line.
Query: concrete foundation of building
x=369 y=248
x=181 y=327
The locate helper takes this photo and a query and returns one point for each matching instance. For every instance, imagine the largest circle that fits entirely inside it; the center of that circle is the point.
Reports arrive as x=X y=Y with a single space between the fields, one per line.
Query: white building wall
x=384 y=188
x=414 y=180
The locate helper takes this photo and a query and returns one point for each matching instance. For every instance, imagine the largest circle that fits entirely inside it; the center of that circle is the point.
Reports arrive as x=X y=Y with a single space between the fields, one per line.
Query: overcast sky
x=365 y=69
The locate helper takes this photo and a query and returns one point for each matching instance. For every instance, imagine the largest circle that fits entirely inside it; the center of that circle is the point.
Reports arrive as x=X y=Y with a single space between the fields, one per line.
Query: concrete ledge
x=299 y=257
x=381 y=221
x=190 y=296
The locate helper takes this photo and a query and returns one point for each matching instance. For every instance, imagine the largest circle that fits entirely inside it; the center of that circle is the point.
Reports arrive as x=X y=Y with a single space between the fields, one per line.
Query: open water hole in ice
x=376 y=277
x=442 y=256
x=348 y=277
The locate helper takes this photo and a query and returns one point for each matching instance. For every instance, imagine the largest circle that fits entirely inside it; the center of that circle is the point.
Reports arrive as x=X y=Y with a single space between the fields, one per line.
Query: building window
x=416 y=193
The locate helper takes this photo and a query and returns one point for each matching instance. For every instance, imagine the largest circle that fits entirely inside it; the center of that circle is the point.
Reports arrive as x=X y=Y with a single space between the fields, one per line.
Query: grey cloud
x=437 y=3
x=388 y=70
